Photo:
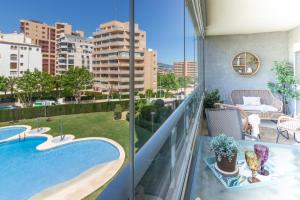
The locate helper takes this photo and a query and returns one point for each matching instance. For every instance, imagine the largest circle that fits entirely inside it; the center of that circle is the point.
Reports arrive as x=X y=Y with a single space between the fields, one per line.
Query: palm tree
x=3 y=84
x=11 y=83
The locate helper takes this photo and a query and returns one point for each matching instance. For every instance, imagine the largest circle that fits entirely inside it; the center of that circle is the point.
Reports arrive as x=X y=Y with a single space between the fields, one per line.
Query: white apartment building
x=18 y=54
x=73 y=51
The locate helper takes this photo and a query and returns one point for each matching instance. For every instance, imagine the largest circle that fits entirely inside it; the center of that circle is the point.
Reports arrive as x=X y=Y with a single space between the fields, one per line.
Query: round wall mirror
x=246 y=64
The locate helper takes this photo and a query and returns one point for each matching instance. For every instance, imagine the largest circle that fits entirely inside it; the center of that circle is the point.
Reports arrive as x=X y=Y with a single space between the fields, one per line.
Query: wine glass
x=253 y=162
x=263 y=152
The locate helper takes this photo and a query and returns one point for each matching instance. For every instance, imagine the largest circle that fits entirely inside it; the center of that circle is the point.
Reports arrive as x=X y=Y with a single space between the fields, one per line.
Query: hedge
x=147 y=124
x=66 y=109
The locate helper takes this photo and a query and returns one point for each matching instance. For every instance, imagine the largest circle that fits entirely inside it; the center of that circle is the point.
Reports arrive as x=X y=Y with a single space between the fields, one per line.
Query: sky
x=161 y=19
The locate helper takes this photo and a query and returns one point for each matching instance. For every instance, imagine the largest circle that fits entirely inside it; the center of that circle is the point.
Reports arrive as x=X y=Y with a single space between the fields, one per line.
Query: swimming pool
x=8 y=132
x=25 y=171
x=7 y=107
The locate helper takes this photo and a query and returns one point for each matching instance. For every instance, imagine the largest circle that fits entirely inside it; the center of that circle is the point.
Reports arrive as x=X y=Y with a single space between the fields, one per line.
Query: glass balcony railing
x=163 y=162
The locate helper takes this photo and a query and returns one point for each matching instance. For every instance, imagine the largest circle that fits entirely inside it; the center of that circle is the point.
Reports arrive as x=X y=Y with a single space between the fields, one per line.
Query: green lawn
x=99 y=124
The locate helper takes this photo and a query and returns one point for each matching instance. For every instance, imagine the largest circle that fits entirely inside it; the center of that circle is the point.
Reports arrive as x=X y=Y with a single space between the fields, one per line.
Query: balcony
x=173 y=163
x=114 y=29
x=113 y=44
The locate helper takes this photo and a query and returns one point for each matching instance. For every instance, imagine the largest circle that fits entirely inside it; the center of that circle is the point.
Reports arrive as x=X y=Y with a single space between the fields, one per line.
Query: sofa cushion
x=259 y=108
x=251 y=101
x=266 y=96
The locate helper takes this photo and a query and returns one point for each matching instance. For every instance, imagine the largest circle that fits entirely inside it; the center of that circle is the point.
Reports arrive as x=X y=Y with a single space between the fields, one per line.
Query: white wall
x=26 y=59
x=220 y=50
x=15 y=37
x=293 y=37
x=294 y=57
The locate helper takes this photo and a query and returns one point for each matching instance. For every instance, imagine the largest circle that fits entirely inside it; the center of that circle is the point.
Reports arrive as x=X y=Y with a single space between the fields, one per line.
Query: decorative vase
x=249 y=70
x=227 y=165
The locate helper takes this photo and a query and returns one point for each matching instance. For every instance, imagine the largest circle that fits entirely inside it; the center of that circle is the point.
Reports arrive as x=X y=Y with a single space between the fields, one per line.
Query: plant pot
x=226 y=165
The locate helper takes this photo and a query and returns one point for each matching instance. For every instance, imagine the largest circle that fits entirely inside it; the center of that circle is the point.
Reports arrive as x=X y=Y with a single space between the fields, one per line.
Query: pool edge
x=86 y=182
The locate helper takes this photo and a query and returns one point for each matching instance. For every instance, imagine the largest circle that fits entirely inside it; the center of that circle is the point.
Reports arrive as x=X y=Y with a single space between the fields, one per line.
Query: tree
x=149 y=93
x=167 y=81
x=184 y=81
x=3 y=84
x=27 y=85
x=45 y=83
x=11 y=84
x=37 y=82
x=285 y=83
x=75 y=80
x=58 y=85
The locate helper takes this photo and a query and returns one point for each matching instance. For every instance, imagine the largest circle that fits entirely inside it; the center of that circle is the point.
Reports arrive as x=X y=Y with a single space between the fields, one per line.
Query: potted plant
x=285 y=83
x=212 y=97
x=225 y=149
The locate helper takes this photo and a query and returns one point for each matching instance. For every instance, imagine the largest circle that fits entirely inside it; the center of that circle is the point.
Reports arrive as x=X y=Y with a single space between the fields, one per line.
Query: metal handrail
x=119 y=187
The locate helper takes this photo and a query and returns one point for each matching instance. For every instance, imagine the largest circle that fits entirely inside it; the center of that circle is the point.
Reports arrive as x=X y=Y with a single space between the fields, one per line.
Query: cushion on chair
x=259 y=108
x=251 y=101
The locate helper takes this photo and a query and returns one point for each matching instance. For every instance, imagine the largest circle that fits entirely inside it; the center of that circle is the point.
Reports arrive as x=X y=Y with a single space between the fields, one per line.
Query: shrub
x=141 y=96
x=147 y=125
x=66 y=109
x=163 y=113
x=146 y=112
x=159 y=103
x=211 y=98
x=118 y=112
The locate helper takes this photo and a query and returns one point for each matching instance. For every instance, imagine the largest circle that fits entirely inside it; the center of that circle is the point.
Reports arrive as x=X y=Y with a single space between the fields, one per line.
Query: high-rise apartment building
x=187 y=69
x=73 y=51
x=150 y=68
x=18 y=54
x=111 y=59
x=46 y=36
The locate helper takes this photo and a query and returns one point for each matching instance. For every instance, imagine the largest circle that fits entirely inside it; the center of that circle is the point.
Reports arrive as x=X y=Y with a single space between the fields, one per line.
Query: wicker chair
x=266 y=98
x=227 y=121
x=288 y=126
x=244 y=116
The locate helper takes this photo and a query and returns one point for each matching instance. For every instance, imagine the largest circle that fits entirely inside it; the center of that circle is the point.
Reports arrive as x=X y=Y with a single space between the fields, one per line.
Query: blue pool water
x=10 y=131
x=7 y=107
x=25 y=171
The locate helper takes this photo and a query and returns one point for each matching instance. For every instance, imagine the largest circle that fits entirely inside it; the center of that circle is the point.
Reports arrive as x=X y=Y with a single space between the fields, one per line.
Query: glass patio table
x=204 y=184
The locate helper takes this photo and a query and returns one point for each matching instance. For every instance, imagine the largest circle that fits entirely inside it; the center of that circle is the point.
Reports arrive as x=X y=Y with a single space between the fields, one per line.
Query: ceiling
x=251 y=16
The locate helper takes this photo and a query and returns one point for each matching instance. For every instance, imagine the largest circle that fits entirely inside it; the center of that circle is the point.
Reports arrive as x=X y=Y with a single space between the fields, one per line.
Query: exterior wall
x=220 y=50
x=15 y=37
x=150 y=80
x=73 y=51
x=44 y=36
x=111 y=58
x=190 y=69
x=26 y=57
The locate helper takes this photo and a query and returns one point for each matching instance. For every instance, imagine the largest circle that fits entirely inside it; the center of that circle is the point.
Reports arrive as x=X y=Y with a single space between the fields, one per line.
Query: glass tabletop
x=286 y=159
